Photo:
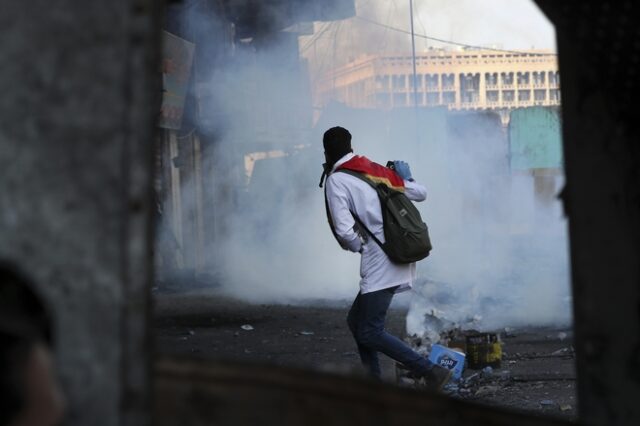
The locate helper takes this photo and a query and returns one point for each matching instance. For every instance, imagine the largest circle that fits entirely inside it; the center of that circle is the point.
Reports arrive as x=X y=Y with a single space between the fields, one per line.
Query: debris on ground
x=536 y=364
x=486 y=380
x=246 y=327
x=307 y=333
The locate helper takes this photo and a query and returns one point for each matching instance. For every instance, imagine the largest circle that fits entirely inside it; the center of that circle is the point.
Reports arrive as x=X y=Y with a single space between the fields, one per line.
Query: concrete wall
x=599 y=48
x=78 y=84
x=190 y=392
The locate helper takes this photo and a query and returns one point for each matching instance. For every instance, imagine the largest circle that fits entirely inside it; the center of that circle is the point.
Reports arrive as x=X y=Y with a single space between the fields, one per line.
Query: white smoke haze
x=506 y=24
x=499 y=258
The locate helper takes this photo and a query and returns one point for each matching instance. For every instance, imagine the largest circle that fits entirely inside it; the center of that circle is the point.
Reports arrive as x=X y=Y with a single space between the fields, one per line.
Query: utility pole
x=413 y=56
x=415 y=80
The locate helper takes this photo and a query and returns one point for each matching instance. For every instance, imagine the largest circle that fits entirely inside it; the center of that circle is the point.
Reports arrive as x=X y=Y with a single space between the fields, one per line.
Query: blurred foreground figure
x=355 y=214
x=29 y=391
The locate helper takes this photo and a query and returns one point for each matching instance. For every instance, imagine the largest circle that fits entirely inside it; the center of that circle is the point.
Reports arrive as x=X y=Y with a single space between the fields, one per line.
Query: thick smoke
x=507 y=24
x=500 y=256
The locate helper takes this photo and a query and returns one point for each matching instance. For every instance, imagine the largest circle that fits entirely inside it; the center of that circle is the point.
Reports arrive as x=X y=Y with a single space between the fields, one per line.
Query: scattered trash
x=472 y=378
x=447 y=358
x=487 y=371
x=484 y=349
x=246 y=327
x=487 y=390
x=547 y=402
x=405 y=381
x=508 y=332
x=562 y=335
x=307 y=333
x=560 y=351
x=191 y=332
x=451 y=388
x=565 y=407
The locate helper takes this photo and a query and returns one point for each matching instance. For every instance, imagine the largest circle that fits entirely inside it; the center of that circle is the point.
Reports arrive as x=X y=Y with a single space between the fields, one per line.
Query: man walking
x=349 y=197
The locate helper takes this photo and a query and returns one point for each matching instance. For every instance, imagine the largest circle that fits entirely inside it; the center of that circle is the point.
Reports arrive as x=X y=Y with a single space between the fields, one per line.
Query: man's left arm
x=414 y=191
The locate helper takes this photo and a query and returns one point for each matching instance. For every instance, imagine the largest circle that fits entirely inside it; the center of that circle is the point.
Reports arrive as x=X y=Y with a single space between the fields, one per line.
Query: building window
x=469 y=97
x=554 y=95
x=418 y=80
x=448 y=81
x=493 y=96
x=434 y=99
x=508 y=95
x=491 y=79
x=398 y=82
x=538 y=78
x=469 y=82
x=524 y=95
x=449 y=98
x=507 y=78
x=540 y=95
x=432 y=81
x=523 y=78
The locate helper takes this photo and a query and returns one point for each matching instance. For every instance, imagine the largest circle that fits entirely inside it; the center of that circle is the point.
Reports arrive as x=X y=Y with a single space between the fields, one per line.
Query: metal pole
x=415 y=81
x=413 y=56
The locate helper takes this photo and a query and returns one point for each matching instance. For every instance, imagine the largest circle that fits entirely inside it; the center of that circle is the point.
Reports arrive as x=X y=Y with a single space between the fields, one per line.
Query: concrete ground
x=537 y=373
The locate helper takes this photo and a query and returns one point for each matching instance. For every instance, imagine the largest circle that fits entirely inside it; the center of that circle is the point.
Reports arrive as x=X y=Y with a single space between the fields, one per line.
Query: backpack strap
x=374 y=186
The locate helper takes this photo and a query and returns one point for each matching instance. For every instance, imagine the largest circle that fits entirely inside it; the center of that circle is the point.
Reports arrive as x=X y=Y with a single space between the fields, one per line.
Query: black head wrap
x=337 y=144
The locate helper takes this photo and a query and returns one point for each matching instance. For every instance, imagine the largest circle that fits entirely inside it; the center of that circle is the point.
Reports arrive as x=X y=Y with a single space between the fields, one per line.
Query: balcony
x=470 y=105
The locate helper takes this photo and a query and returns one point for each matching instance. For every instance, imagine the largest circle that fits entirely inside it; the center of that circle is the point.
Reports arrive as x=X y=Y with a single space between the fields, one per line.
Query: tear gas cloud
x=499 y=258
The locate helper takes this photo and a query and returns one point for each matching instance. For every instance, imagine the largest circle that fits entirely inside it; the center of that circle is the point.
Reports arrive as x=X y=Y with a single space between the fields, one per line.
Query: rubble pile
x=536 y=375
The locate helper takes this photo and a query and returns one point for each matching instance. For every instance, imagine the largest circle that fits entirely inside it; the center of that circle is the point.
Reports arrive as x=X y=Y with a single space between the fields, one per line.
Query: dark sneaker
x=437 y=377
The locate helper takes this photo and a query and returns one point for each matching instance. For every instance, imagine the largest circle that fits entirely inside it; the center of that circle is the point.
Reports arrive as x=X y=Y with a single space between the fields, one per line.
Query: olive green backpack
x=406 y=235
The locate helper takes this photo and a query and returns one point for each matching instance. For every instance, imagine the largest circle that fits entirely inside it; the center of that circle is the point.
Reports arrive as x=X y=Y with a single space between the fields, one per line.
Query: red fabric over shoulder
x=374 y=172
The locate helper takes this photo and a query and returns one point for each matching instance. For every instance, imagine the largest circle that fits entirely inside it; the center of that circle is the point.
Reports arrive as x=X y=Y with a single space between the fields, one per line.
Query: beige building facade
x=459 y=80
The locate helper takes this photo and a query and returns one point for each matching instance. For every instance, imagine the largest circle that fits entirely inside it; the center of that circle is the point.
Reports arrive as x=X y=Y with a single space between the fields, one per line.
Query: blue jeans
x=366 y=321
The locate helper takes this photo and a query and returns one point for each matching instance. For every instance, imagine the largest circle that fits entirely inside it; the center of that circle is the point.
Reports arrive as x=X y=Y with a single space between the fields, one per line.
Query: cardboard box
x=445 y=357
